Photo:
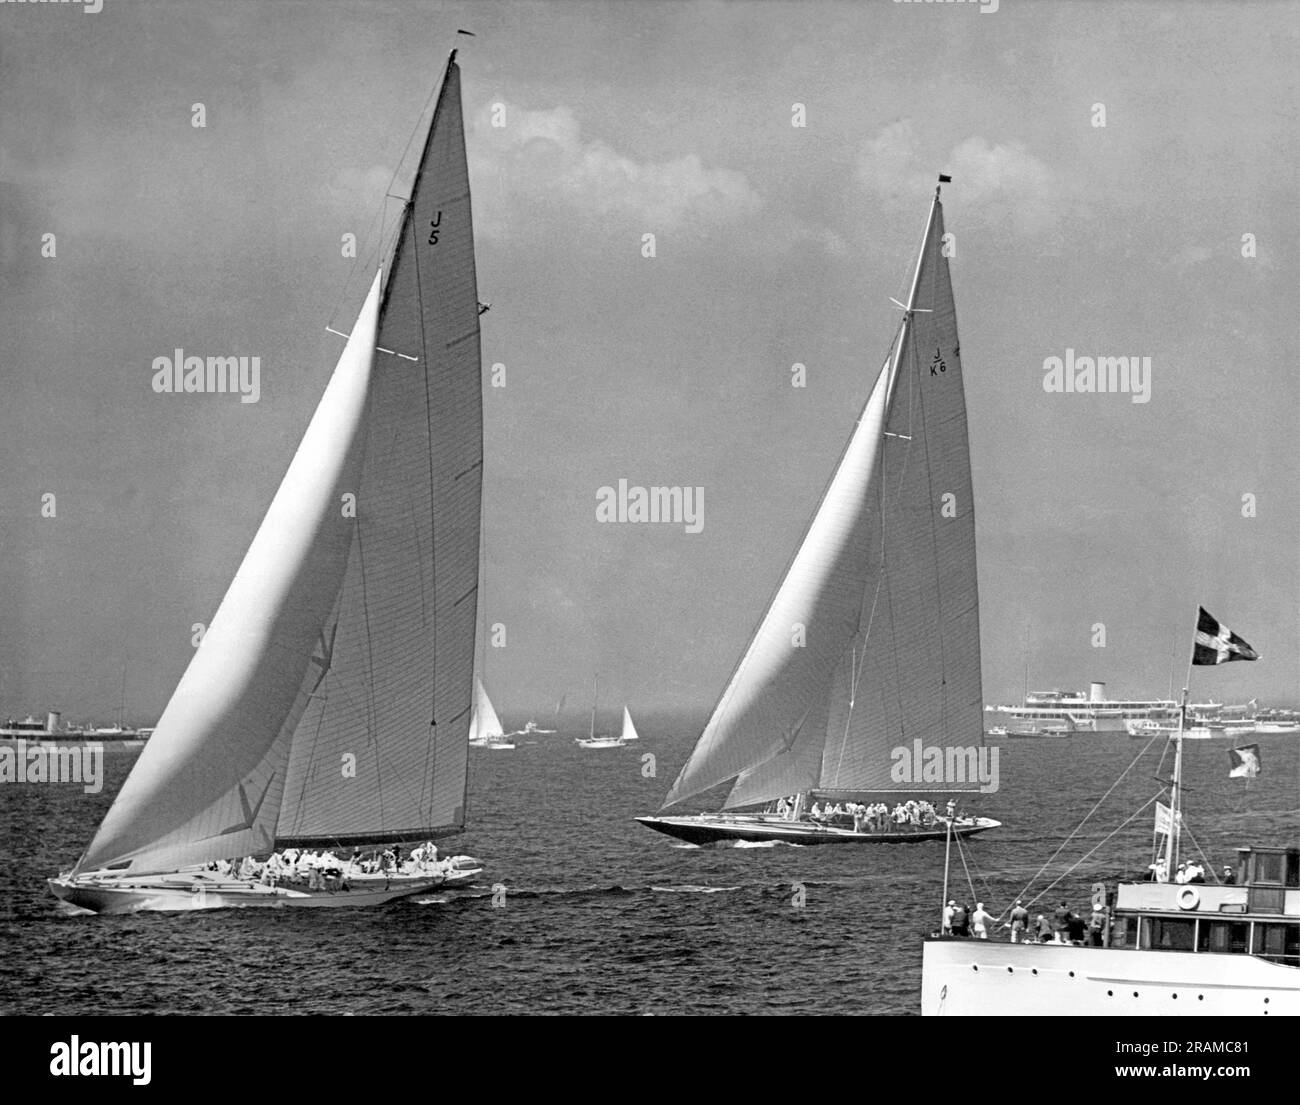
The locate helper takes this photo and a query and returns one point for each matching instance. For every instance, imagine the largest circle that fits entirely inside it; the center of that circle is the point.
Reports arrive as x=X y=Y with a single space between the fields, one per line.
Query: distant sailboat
x=864 y=675
x=119 y=731
x=593 y=741
x=484 y=726
x=327 y=705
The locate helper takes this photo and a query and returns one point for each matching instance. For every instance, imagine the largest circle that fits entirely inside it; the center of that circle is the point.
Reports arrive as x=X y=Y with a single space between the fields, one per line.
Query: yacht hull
x=186 y=892
x=715 y=828
x=963 y=977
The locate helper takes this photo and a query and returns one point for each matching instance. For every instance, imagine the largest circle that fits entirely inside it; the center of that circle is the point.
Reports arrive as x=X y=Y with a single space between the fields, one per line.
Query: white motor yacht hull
x=967 y=977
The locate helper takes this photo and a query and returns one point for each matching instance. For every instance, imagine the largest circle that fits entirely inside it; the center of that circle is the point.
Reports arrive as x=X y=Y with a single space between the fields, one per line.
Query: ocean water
x=602 y=916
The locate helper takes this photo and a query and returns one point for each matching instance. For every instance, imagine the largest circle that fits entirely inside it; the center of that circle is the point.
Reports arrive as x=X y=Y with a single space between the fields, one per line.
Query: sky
x=775 y=245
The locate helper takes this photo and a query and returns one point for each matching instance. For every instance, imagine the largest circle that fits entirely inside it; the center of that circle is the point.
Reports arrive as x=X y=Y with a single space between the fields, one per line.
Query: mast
x=1026 y=698
x=1176 y=787
x=947 y=853
x=593 y=707
x=1175 y=794
x=911 y=307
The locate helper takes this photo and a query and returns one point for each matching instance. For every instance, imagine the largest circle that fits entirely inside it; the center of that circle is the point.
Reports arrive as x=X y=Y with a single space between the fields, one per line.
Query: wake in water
x=720 y=844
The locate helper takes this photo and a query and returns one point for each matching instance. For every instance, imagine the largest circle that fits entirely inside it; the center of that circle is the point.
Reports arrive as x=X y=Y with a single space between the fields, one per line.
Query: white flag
x=1164 y=819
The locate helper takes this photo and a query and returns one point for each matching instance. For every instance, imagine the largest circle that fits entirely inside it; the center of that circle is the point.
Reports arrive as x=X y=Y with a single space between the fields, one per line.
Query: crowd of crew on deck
x=875 y=817
x=1064 y=926
x=323 y=870
x=1187 y=872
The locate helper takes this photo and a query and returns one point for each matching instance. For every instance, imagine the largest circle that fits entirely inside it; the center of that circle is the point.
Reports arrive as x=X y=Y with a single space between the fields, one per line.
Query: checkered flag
x=1216 y=643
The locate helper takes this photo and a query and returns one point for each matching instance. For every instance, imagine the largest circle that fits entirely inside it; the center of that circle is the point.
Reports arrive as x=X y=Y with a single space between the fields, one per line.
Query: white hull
x=600 y=742
x=185 y=892
x=499 y=745
x=962 y=977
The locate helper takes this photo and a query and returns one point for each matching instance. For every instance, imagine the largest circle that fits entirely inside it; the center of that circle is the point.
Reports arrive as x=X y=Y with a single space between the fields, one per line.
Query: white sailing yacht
x=605 y=741
x=328 y=704
x=485 y=729
x=864 y=675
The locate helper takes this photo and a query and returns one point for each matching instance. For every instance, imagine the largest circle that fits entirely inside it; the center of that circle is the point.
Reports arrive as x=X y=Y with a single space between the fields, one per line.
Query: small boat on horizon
x=627 y=734
x=484 y=726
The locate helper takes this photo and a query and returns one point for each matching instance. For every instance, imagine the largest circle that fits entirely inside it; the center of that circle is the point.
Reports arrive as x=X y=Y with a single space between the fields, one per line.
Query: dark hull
x=712 y=828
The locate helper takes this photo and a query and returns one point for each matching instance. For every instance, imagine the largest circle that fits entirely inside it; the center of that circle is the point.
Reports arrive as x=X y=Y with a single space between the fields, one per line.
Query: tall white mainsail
x=484 y=723
x=398 y=688
x=329 y=699
x=629 y=730
x=872 y=640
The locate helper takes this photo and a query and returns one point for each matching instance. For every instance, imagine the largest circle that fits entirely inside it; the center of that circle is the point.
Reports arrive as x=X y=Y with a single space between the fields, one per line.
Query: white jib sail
x=209 y=782
x=484 y=724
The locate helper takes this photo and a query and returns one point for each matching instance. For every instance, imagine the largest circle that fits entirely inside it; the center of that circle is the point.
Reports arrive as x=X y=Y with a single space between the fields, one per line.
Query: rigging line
x=1101 y=843
x=351 y=276
x=934 y=529
x=908 y=351
x=1096 y=805
x=988 y=889
x=961 y=854
x=428 y=428
x=723 y=704
x=858 y=668
x=368 y=705
x=424 y=617
x=1208 y=864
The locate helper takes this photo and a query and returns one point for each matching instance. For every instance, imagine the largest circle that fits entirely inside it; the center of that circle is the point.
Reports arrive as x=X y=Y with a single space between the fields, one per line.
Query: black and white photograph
x=650 y=508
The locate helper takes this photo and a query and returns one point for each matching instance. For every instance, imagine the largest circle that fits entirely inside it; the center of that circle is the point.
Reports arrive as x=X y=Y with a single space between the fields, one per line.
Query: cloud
x=540 y=160
x=1004 y=181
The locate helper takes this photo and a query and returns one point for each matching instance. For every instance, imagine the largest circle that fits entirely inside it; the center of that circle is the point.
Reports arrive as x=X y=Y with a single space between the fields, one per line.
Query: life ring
x=1189 y=898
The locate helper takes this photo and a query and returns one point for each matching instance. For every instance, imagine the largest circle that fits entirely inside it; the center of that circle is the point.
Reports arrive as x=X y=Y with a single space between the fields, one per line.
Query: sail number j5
x=433 y=229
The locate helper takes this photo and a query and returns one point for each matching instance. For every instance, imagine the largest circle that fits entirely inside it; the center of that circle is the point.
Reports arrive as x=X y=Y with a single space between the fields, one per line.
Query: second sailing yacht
x=863 y=677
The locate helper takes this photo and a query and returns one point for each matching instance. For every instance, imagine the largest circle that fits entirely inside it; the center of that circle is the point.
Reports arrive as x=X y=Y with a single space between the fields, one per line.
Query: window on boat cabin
x=1269 y=867
x=1231 y=937
x=1165 y=934
x=1123 y=933
x=1293 y=869
x=1279 y=942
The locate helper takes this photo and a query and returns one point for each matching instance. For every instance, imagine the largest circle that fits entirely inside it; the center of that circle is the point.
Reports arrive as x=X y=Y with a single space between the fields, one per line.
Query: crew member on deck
x=1019 y=922
x=1061 y=922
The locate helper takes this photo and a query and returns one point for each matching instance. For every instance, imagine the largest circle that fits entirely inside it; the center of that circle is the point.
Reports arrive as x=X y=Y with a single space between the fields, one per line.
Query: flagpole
x=1175 y=797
